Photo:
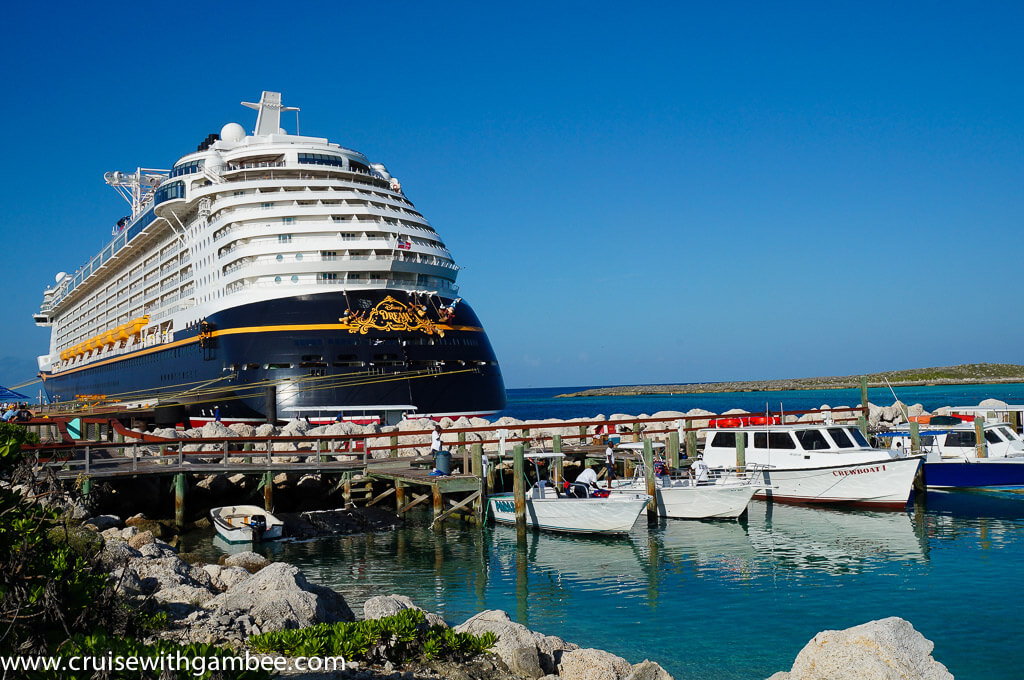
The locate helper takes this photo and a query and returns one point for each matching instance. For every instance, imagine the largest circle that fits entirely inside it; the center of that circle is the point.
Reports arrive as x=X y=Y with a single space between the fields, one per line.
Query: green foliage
x=399 y=638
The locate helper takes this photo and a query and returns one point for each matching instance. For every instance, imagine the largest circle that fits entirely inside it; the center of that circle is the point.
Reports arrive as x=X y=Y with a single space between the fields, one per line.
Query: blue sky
x=638 y=193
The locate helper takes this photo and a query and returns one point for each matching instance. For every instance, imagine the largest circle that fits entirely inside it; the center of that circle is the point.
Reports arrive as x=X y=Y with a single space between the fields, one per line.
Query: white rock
x=514 y=637
x=248 y=560
x=886 y=649
x=593 y=664
x=280 y=597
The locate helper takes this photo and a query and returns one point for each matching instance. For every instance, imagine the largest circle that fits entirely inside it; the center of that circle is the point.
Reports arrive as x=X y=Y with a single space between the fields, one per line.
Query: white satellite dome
x=60 y=277
x=232 y=132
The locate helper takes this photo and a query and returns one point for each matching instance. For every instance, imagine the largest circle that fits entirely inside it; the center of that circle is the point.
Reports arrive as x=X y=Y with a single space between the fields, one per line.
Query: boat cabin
x=959 y=442
x=798 y=445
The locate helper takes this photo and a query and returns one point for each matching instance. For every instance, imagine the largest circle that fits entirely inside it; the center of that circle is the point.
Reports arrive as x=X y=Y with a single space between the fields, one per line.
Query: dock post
x=478 y=470
x=673 y=450
x=394 y=446
x=864 y=395
x=268 y=491
x=179 y=500
x=691 y=444
x=399 y=497
x=270 y=404
x=862 y=425
x=346 y=493
x=915 y=439
x=519 y=491
x=86 y=487
x=465 y=453
x=652 y=489
x=979 y=434
x=583 y=434
x=741 y=450
x=1015 y=420
x=438 y=500
x=636 y=432
x=556 y=447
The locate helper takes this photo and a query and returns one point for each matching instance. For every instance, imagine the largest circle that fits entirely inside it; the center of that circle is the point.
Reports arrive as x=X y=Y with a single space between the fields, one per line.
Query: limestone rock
x=389 y=605
x=280 y=597
x=513 y=636
x=648 y=670
x=117 y=553
x=248 y=560
x=265 y=430
x=141 y=539
x=594 y=664
x=886 y=649
x=242 y=429
x=103 y=522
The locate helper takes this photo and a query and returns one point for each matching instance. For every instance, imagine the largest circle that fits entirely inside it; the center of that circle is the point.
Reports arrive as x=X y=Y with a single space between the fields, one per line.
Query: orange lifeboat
x=764 y=420
x=726 y=422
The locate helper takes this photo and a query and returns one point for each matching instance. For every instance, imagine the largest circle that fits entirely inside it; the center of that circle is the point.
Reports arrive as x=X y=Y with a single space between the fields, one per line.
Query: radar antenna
x=268 y=120
x=136 y=187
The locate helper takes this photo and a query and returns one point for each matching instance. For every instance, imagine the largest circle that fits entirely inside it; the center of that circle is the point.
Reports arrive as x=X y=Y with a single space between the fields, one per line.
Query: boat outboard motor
x=258 y=524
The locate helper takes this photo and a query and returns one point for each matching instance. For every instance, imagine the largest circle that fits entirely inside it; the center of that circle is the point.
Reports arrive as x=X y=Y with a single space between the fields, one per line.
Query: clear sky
x=639 y=192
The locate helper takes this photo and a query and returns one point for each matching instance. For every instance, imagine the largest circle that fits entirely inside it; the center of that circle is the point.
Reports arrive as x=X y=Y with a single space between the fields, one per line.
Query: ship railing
x=250 y=166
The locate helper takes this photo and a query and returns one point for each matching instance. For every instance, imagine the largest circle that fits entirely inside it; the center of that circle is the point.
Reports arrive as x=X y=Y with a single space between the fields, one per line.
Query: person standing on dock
x=609 y=462
x=435 y=446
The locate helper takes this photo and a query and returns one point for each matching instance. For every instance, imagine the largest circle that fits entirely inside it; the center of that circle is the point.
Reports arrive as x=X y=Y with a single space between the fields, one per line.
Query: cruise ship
x=269 y=276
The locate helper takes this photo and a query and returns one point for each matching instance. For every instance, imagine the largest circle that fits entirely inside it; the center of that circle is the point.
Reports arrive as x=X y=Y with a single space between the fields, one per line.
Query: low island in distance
x=964 y=374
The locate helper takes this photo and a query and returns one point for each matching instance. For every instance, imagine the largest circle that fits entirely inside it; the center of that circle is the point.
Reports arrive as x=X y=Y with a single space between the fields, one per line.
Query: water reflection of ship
x=797 y=537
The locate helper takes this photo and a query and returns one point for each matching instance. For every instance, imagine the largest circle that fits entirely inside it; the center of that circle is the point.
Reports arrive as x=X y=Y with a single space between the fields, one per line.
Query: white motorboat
x=596 y=512
x=816 y=463
x=718 y=497
x=245 y=523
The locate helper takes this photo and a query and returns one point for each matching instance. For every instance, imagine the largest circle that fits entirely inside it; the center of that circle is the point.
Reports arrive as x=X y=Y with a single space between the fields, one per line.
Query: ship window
x=327 y=276
x=992 y=438
x=295 y=279
x=812 y=440
x=964 y=438
x=266 y=206
x=279 y=258
x=277 y=279
x=276 y=366
x=312 y=364
x=288 y=220
x=251 y=367
x=858 y=438
x=358 y=166
x=312 y=357
x=840 y=437
x=284 y=238
x=321 y=159
x=328 y=255
x=726 y=440
x=298 y=256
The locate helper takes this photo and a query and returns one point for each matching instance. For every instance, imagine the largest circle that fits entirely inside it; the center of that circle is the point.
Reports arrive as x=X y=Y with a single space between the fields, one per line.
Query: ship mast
x=268 y=120
x=137 y=187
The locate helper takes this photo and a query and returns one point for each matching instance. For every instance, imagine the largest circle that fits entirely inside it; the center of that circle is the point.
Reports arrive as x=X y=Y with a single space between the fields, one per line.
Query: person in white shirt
x=587 y=478
x=435 y=446
x=700 y=469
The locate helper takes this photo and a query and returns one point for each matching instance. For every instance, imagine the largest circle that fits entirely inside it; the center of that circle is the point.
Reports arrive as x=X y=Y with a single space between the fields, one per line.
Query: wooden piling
x=583 y=434
x=1015 y=420
x=862 y=425
x=864 y=395
x=741 y=450
x=673 y=450
x=979 y=433
x=465 y=453
x=268 y=491
x=652 y=489
x=179 y=500
x=519 y=490
x=438 y=499
x=478 y=470
x=915 y=439
x=636 y=432
x=399 y=497
x=346 y=492
x=394 y=446
x=691 y=444
x=556 y=468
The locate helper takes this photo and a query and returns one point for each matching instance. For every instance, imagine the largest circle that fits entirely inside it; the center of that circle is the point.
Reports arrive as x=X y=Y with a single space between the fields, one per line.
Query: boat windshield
x=858 y=437
x=840 y=437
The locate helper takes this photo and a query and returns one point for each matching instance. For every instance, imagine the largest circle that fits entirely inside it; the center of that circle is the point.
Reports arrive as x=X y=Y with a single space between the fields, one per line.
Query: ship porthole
x=277 y=279
x=280 y=258
x=295 y=279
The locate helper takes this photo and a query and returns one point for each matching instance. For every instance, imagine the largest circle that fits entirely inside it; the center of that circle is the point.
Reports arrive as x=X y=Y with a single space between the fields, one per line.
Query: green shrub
x=399 y=638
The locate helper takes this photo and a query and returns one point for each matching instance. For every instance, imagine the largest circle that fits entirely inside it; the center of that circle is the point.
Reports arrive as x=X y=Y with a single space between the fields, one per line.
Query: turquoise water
x=719 y=599
x=537 y=403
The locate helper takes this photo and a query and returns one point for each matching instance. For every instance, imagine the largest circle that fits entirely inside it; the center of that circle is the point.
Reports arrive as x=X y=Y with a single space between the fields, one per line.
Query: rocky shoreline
x=245 y=594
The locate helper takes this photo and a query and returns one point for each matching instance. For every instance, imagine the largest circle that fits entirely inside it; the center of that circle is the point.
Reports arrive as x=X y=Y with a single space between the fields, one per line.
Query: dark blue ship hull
x=317 y=356
x=977 y=474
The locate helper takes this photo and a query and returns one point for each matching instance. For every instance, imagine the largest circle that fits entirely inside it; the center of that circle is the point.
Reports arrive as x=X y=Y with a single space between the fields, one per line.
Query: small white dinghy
x=547 y=509
x=245 y=523
x=713 y=497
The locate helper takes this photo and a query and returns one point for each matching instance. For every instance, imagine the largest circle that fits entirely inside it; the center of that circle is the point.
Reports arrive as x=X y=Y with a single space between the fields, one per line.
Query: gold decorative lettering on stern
x=389 y=315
